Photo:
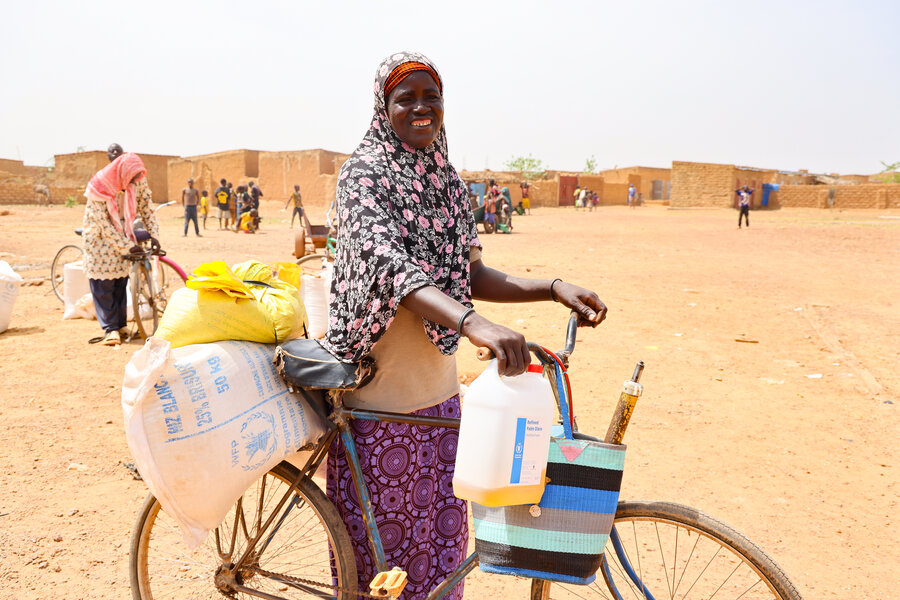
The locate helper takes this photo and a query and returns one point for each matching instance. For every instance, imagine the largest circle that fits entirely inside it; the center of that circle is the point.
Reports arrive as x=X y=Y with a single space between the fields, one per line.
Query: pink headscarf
x=116 y=176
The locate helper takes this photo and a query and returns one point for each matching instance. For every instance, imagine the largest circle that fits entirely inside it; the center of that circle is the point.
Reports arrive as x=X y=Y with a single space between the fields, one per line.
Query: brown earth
x=771 y=394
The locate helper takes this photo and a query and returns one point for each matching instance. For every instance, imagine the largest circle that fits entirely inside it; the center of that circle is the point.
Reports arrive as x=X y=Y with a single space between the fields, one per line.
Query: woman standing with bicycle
x=408 y=265
x=108 y=234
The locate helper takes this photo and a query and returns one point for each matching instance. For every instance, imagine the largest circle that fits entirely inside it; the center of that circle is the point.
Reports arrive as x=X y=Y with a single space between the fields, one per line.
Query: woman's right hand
x=508 y=346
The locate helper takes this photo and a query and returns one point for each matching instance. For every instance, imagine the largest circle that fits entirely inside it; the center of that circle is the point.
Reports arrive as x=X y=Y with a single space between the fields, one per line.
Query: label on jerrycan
x=525 y=471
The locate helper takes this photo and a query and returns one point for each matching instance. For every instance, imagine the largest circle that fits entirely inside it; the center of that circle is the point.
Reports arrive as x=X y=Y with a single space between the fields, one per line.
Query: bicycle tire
x=143 y=303
x=160 y=566
x=67 y=254
x=654 y=555
x=310 y=257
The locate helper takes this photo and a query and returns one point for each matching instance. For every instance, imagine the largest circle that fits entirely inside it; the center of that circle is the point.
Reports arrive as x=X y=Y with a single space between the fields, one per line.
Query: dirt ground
x=771 y=392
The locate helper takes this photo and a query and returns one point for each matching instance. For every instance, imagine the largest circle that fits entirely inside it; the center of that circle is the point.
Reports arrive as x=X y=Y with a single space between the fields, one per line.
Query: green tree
x=590 y=165
x=890 y=174
x=531 y=168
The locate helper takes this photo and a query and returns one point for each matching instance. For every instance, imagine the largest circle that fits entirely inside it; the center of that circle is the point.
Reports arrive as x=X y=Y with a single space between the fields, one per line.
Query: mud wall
x=75 y=170
x=23 y=193
x=701 y=184
x=236 y=166
x=865 y=195
x=315 y=171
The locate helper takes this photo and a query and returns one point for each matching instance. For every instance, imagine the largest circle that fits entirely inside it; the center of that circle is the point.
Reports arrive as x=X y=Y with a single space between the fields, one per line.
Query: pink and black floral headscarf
x=404 y=223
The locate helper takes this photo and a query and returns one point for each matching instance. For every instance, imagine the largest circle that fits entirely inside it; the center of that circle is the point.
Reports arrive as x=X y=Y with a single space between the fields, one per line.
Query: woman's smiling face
x=416 y=109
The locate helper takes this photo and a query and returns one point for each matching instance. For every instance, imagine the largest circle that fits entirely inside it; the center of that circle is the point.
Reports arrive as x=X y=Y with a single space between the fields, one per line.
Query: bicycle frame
x=340 y=417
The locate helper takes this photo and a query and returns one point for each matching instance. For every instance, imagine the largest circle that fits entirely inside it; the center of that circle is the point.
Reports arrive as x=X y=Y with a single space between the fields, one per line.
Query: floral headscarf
x=107 y=182
x=404 y=223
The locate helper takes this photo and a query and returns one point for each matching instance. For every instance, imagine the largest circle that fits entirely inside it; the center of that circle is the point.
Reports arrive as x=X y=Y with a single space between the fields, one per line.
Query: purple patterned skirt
x=409 y=472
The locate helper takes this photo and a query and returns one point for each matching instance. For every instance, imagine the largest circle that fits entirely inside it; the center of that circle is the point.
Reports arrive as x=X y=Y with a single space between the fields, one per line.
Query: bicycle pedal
x=388 y=584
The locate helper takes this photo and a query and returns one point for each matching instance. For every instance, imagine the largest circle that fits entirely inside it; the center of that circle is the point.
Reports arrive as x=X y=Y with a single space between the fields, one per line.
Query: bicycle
x=284 y=539
x=153 y=278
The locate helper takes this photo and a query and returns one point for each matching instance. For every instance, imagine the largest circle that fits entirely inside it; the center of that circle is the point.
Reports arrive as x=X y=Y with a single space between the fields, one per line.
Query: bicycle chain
x=310 y=582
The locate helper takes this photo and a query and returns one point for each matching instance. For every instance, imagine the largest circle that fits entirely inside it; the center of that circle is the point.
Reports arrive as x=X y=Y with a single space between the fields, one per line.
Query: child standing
x=204 y=206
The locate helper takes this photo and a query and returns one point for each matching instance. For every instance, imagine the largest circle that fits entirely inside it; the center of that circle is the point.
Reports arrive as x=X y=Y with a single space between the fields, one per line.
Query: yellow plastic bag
x=243 y=303
x=288 y=272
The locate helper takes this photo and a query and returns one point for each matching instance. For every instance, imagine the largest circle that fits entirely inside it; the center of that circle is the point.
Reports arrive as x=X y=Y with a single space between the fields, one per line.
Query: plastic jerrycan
x=504 y=438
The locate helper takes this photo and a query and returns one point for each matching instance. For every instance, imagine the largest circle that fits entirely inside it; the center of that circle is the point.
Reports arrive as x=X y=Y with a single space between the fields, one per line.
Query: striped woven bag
x=561 y=538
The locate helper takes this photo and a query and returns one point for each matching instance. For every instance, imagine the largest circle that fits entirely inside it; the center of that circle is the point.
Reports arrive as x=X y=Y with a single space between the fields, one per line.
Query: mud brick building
x=709 y=184
x=276 y=173
x=69 y=176
x=556 y=188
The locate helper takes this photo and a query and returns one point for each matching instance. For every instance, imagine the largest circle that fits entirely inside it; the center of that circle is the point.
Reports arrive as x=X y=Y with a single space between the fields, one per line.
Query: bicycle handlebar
x=169 y=203
x=564 y=354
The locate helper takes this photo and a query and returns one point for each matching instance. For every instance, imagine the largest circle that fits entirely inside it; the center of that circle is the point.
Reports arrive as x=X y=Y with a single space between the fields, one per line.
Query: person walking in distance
x=190 y=198
x=632 y=195
x=297 y=199
x=222 y=195
x=744 y=195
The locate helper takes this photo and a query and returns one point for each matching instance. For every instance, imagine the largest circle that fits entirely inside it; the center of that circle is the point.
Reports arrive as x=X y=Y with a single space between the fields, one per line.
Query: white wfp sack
x=205 y=421
x=315 y=289
x=75 y=286
x=9 y=291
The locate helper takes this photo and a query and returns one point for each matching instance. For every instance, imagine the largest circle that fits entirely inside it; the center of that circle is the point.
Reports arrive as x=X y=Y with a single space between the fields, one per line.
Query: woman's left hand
x=591 y=310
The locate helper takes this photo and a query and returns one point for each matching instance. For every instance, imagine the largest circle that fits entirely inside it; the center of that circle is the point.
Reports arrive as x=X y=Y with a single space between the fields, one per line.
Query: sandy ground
x=771 y=394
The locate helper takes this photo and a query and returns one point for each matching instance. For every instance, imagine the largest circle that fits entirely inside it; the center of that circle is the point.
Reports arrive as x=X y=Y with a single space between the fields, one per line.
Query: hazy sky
x=786 y=85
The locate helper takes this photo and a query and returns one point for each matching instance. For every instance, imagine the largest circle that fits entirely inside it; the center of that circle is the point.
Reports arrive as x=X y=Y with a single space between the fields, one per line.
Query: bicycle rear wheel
x=143 y=300
x=677 y=553
x=67 y=254
x=308 y=540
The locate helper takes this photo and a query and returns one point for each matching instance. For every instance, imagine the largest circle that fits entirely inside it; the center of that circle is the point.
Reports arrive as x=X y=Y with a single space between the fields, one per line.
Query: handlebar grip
x=571 y=332
x=484 y=354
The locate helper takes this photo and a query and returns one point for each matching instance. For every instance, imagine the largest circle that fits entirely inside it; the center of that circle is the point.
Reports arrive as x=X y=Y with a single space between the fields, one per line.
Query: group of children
x=237 y=207
x=585 y=198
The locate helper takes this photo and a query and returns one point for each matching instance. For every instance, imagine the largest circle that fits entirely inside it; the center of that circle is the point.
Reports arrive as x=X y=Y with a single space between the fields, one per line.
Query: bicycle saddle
x=79 y=230
x=304 y=363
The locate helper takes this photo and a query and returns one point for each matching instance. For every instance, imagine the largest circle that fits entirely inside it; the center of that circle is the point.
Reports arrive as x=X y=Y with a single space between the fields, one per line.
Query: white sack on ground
x=205 y=421
x=9 y=291
x=75 y=286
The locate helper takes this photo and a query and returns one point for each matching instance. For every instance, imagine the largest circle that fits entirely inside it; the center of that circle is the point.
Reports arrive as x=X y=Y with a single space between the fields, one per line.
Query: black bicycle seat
x=79 y=230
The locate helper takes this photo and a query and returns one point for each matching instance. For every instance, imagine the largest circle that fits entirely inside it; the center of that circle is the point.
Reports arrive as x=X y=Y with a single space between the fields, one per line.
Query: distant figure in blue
x=632 y=195
x=744 y=194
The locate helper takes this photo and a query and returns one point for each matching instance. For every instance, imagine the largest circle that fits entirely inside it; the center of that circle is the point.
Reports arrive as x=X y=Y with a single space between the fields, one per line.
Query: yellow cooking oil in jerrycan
x=504 y=438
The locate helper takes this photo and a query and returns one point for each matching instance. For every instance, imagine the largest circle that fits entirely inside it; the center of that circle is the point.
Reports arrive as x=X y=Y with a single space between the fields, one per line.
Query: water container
x=504 y=438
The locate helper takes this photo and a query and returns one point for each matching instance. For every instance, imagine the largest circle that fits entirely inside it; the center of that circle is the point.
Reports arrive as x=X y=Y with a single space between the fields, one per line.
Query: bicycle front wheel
x=67 y=254
x=305 y=553
x=143 y=300
x=168 y=279
x=664 y=550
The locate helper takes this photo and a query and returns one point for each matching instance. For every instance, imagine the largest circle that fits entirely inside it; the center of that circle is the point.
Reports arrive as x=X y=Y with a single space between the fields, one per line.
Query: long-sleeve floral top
x=104 y=245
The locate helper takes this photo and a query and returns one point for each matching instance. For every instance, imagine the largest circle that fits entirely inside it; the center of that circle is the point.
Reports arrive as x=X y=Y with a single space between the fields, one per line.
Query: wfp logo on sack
x=257 y=442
